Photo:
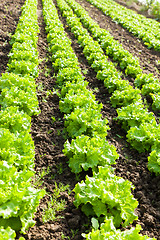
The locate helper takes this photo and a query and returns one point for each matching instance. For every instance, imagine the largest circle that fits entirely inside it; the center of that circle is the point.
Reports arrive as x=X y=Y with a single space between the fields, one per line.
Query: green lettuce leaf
x=109 y=232
x=105 y=194
x=85 y=152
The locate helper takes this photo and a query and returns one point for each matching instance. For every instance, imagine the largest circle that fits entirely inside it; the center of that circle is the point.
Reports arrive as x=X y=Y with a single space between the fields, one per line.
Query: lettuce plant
x=154 y=158
x=105 y=194
x=8 y=233
x=142 y=137
x=108 y=231
x=85 y=152
x=25 y=100
x=134 y=114
x=24 y=83
x=18 y=199
x=86 y=121
x=83 y=99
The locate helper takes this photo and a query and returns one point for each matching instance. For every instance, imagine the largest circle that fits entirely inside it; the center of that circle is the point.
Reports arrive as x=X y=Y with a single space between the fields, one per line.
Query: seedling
x=48 y=93
x=85 y=71
x=55 y=205
x=53 y=119
x=47 y=72
x=74 y=232
x=60 y=168
x=40 y=87
x=64 y=237
x=38 y=181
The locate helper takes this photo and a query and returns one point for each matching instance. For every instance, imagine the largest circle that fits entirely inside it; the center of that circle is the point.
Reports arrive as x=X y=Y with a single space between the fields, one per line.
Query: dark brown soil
x=49 y=137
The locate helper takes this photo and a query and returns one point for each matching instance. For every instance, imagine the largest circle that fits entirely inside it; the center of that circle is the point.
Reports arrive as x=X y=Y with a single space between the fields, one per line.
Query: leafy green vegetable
x=74 y=85
x=85 y=121
x=17 y=149
x=9 y=80
x=105 y=194
x=25 y=55
x=134 y=114
x=14 y=120
x=61 y=63
x=83 y=99
x=145 y=28
x=23 y=68
x=7 y=234
x=18 y=198
x=142 y=137
x=156 y=101
x=109 y=232
x=150 y=88
x=85 y=152
x=68 y=74
x=143 y=79
x=154 y=158
x=125 y=97
x=25 y=101
x=24 y=46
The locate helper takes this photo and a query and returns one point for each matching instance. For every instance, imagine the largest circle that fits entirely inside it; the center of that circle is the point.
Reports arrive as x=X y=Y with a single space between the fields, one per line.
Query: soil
x=48 y=131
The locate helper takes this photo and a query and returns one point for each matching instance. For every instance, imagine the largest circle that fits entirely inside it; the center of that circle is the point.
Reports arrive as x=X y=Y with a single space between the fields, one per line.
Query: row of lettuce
x=18 y=100
x=140 y=124
x=83 y=122
x=103 y=196
x=147 y=83
x=148 y=30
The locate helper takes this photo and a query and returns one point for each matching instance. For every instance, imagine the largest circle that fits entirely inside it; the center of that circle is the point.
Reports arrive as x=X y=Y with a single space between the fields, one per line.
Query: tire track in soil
x=48 y=140
x=148 y=57
x=131 y=165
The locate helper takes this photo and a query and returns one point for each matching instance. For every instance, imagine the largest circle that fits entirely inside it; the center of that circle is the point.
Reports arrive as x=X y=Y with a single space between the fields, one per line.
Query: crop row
x=103 y=195
x=144 y=28
x=146 y=82
x=140 y=125
x=18 y=198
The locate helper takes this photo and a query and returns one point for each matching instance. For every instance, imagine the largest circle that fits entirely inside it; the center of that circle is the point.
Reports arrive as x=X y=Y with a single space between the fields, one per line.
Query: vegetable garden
x=80 y=142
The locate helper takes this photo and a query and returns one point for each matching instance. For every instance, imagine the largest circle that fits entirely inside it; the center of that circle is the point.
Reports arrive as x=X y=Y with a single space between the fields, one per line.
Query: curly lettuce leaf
x=108 y=231
x=17 y=149
x=105 y=194
x=26 y=101
x=85 y=152
x=85 y=121
x=14 y=120
x=18 y=199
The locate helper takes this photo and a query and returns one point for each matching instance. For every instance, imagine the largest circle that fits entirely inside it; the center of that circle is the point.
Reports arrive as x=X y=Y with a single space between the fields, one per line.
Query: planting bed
x=48 y=129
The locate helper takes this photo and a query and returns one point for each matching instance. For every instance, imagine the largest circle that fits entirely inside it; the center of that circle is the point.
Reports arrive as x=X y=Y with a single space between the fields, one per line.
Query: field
x=47 y=130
